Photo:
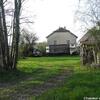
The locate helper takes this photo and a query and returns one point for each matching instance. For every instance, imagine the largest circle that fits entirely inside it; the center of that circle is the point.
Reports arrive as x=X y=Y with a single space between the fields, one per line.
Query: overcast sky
x=48 y=15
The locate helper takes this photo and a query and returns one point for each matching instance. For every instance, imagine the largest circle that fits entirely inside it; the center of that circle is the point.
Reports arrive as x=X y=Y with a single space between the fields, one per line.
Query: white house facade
x=61 y=41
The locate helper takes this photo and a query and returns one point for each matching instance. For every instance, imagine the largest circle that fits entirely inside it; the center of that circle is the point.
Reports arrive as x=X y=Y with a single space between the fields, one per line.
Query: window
x=68 y=41
x=55 y=42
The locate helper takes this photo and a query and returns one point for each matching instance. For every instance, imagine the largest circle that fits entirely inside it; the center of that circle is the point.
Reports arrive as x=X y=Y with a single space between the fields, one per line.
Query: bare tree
x=9 y=58
x=3 y=37
x=89 y=12
x=27 y=42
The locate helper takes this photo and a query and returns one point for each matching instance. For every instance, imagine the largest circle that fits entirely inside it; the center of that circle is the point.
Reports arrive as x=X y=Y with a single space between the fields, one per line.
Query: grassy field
x=33 y=72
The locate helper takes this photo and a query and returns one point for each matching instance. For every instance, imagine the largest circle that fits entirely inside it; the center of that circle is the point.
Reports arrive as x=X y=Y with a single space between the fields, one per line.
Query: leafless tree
x=27 y=42
x=9 y=57
x=89 y=12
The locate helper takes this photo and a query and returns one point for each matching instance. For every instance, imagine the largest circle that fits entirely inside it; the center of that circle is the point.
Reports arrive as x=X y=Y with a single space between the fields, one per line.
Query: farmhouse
x=61 y=41
x=90 y=48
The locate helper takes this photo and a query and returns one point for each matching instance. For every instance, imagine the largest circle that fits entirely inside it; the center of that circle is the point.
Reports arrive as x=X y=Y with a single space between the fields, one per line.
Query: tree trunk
x=16 y=34
x=2 y=38
x=98 y=58
x=5 y=62
x=5 y=36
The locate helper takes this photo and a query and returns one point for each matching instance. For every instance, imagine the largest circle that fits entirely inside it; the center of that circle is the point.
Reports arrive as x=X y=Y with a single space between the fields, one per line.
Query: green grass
x=84 y=82
x=79 y=86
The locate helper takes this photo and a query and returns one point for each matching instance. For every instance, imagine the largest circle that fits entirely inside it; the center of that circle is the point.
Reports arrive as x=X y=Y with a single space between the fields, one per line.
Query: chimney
x=64 y=27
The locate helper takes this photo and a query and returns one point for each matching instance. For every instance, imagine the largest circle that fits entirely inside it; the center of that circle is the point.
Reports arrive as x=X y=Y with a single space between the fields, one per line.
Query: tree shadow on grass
x=22 y=82
x=16 y=76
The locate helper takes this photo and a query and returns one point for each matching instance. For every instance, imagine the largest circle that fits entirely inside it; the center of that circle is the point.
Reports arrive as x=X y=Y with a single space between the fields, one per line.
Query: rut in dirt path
x=53 y=82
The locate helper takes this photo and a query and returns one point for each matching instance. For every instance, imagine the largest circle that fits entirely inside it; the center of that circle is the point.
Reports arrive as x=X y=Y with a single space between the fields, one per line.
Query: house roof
x=85 y=37
x=89 y=39
x=61 y=29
